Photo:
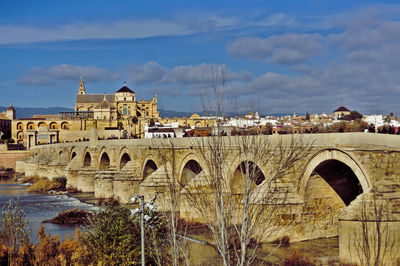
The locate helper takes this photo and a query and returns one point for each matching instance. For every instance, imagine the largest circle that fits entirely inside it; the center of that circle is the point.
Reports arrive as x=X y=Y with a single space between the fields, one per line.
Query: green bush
x=114 y=235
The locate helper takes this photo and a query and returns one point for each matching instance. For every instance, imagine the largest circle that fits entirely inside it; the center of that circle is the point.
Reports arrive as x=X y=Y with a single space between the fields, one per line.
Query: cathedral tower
x=10 y=113
x=81 y=89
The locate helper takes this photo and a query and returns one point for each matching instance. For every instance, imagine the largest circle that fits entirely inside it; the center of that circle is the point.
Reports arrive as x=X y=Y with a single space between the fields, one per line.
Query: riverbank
x=41 y=206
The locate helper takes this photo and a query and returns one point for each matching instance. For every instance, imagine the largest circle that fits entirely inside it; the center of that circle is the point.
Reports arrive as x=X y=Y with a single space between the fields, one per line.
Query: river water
x=39 y=207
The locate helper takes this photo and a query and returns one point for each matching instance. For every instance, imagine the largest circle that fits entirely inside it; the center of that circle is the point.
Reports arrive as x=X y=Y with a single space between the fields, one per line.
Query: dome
x=341 y=109
x=125 y=89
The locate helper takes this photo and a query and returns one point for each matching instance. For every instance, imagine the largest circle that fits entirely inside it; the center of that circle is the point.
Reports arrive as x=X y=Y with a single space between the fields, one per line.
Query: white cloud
x=278 y=19
x=152 y=72
x=39 y=76
x=281 y=49
x=123 y=29
x=83 y=31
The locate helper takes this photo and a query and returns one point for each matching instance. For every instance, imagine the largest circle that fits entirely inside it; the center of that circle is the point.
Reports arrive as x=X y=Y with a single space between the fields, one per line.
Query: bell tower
x=10 y=112
x=81 y=89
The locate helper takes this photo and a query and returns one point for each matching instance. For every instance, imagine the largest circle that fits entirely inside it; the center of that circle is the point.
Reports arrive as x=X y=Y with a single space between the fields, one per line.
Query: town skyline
x=283 y=57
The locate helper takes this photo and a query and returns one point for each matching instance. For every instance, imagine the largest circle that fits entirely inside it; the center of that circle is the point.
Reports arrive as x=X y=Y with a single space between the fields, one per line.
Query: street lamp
x=134 y=200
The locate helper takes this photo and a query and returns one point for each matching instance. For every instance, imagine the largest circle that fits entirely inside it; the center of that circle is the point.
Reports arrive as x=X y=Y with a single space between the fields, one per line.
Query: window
x=125 y=109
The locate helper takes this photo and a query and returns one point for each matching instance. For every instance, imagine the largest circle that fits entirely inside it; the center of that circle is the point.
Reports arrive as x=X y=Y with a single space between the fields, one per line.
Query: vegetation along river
x=39 y=207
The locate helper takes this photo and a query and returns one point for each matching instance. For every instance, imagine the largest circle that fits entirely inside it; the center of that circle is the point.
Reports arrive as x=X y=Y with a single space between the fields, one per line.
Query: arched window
x=65 y=125
x=53 y=125
x=30 y=126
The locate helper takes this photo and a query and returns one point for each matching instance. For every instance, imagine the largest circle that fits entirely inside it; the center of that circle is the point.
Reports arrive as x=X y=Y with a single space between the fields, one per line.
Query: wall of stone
x=316 y=205
x=358 y=247
x=8 y=159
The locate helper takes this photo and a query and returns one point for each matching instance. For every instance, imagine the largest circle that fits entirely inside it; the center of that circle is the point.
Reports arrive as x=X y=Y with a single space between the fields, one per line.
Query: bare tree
x=14 y=229
x=240 y=212
x=374 y=243
x=170 y=194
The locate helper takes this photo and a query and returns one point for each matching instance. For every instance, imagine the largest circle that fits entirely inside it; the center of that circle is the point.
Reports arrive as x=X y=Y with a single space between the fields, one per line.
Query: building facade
x=5 y=122
x=117 y=115
x=120 y=105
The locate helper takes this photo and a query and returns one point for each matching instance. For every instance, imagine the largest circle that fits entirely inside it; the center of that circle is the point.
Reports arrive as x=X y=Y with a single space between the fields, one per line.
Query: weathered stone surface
x=370 y=226
x=312 y=200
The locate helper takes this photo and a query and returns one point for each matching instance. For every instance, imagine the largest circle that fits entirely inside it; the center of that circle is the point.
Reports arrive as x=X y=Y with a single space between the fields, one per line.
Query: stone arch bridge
x=339 y=168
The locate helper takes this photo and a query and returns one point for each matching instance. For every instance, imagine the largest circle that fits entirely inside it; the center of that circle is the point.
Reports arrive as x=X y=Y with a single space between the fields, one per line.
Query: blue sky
x=279 y=56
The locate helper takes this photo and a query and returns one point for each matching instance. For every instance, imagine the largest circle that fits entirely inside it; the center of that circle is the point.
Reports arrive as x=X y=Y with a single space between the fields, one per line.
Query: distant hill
x=23 y=112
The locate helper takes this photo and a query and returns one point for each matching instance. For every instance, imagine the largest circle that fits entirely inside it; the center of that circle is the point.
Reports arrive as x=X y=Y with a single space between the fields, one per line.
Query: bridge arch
x=72 y=152
x=243 y=169
x=329 y=162
x=238 y=168
x=87 y=159
x=191 y=166
x=149 y=166
x=104 y=162
x=124 y=157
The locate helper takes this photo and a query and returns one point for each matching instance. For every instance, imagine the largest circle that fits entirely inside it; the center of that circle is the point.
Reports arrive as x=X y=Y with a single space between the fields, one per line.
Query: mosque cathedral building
x=118 y=115
x=113 y=115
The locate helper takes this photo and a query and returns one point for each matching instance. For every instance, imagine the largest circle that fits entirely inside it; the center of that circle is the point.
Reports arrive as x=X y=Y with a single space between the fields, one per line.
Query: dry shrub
x=50 y=251
x=30 y=179
x=72 y=216
x=44 y=185
x=107 y=202
x=191 y=227
x=283 y=242
x=26 y=254
x=297 y=259
x=73 y=190
x=3 y=254
x=47 y=249
x=75 y=251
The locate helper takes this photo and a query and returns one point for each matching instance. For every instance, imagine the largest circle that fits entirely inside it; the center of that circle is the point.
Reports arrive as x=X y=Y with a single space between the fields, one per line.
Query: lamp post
x=134 y=200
